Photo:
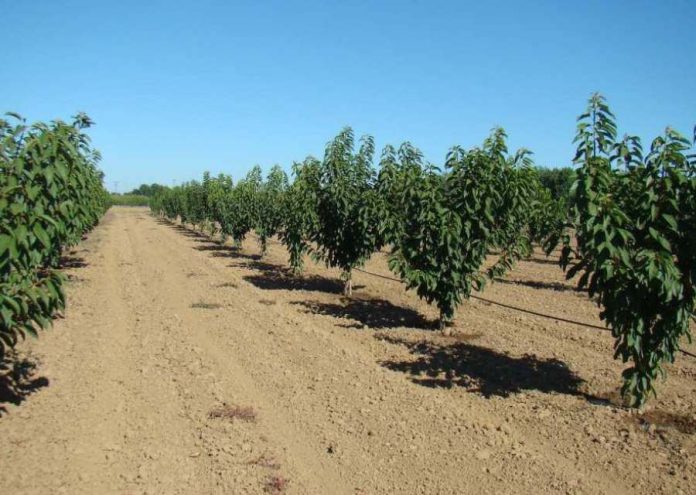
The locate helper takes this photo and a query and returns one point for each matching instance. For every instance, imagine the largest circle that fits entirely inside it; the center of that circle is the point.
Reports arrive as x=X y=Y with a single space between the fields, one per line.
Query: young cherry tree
x=517 y=208
x=51 y=193
x=450 y=222
x=426 y=252
x=394 y=169
x=300 y=212
x=346 y=233
x=635 y=230
x=548 y=219
x=195 y=202
x=241 y=206
x=270 y=206
x=217 y=190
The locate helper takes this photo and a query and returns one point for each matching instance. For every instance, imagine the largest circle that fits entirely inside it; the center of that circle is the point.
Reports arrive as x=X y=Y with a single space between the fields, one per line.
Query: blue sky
x=177 y=88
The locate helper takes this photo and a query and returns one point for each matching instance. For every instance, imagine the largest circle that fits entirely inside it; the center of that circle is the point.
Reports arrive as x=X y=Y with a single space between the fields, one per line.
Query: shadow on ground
x=72 y=261
x=18 y=380
x=233 y=252
x=373 y=313
x=543 y=260
x=207 y=246
x=182 y=229
x=538 y=284
x=272 y=276
x=482 y=370
x=188 y=232
x=222 y=251
x=276 y=279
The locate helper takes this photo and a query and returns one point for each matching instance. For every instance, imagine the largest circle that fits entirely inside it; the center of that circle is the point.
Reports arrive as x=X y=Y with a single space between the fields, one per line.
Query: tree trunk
x=443 y=324
x=348 y=286
x=297 y=269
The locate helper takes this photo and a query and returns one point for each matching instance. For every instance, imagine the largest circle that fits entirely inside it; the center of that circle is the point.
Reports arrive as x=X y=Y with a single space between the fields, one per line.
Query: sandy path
x=354 y=396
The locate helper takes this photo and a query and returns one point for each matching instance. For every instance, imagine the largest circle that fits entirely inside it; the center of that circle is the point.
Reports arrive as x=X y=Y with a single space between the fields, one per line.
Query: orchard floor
x=165 y=329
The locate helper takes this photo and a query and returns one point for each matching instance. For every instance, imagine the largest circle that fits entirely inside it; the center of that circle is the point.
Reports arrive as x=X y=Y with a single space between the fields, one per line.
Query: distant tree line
x=148 y=190
x=558 y=181
x=140 y=196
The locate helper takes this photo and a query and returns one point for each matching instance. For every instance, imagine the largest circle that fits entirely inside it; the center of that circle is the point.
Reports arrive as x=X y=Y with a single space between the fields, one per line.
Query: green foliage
x=300 y=214
x=270 y=206
x=218 y=189
x=346 y=232
x=627 y=226
x=558 y=181
x=170 y=203
x=392 y=184
x=549 y=217
x=195 y=201
x=426 y=252
x=128 y=200
x=51 y=193
x=241 y=206
x=635 y=231
x=518 y=185
x=148 y=190
x=217 y=205
x=442 y=227
x=550 y=206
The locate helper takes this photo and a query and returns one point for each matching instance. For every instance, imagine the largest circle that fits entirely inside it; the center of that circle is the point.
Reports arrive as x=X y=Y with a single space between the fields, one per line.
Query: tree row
x=627 y=227
x=51 y=194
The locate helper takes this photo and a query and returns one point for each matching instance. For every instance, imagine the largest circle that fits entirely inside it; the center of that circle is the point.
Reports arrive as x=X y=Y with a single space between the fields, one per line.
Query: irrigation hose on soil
x=515 y=308
x=508 y=306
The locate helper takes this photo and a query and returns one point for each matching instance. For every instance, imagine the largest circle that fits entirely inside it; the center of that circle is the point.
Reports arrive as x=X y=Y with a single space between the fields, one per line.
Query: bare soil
x=183 y=366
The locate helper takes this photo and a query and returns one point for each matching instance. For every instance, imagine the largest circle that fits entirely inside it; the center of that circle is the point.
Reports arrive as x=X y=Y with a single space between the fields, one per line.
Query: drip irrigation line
x=503 y=305
x=516 y=308
x=489 y=301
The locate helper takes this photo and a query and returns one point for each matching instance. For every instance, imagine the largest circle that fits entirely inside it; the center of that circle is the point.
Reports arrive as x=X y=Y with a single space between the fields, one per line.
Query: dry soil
x=183 y=366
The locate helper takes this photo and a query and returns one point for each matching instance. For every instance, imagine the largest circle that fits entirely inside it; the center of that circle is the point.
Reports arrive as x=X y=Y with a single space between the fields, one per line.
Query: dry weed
x=243 y=413
x=276 y=485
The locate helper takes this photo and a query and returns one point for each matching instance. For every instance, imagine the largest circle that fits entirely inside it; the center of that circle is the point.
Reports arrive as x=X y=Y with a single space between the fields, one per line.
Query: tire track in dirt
x=119 y=415
x=218 y=376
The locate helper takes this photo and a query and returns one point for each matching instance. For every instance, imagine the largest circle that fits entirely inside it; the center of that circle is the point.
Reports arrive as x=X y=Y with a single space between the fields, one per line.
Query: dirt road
x=167 y=333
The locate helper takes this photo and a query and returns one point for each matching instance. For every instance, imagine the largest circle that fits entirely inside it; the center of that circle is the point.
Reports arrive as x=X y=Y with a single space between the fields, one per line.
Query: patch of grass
x=129 y=200
x=205 y=305
x=226 y=411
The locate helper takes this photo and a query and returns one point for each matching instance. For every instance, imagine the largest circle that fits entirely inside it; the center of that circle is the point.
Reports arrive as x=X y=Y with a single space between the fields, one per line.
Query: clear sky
x=178 y=87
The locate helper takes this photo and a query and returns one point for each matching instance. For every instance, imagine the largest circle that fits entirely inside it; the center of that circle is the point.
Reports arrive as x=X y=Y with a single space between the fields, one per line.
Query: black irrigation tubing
x=515 y=308
x=508 y=306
